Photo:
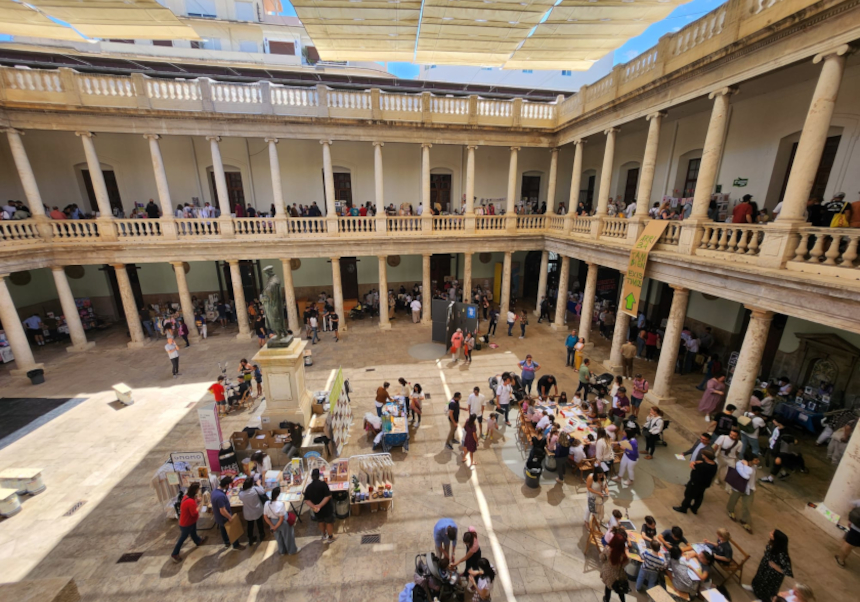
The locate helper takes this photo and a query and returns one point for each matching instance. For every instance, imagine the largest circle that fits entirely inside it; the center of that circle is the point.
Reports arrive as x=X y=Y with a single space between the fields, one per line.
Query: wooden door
x=589 y=192
x=440 y=267
x=823 y=172
x=235 y=190
x=349 y=278
x=343 y=188
x=692 y=177
x=440 y=191
x=630 y=185
x=530 y=188
x=110 y=184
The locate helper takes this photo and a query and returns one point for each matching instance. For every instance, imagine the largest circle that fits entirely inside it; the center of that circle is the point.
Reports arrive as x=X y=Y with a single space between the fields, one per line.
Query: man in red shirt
x=743 y=211
x=218 y=391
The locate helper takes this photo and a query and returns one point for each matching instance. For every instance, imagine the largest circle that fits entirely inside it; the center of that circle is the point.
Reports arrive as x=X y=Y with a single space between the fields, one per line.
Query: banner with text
x=632 y=289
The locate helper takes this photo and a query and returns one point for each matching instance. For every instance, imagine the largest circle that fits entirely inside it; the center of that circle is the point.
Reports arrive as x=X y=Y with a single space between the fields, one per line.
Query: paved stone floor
x=105 y=454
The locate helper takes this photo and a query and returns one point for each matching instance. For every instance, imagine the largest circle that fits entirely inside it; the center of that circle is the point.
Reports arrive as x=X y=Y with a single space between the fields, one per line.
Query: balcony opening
x=235 y=190
x=440 y=192
x=349 y=278
x=110 y=184
x=630 y=185
x=785 y=160
x=530 y=191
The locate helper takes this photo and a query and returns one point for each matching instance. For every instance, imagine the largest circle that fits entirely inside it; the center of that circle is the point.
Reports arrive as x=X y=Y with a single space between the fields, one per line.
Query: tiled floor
x=106 y=454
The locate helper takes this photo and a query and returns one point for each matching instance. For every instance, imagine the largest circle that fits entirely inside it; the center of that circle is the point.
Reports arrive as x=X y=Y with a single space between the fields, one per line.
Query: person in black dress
x=775 y=566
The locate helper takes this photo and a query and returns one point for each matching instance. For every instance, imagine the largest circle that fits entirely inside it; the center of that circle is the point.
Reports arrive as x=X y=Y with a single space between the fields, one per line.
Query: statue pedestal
x=287 y=397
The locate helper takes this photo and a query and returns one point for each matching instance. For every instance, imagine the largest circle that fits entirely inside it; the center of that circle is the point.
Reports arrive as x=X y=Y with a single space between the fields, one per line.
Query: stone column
x=467 y=277
x=661 y=391
x=338 y=292
x=378 y=186
x=845 y=485
x=544 y=268
x=427 y=294
x=384 y=324
x=470 y=179
x=649 y=161
x=277 y=186
x=185 y=299
x=14 y=330
x=584 y=330
x=129 y=306
x=505 y=301
x=553 y=176
x=712 y=152
x=96 y=175
x=25 y=172
x=575 y=183
x=606 y=172
x=290 y=298
x=619 y=337
x=225 y=222
x=749 y=359
x=425 y=187
x=168 y=226
x=512 y=182
x=813 y=136
x=70 y=312
x=239 y=300
x=561 y=300
x=328 y=179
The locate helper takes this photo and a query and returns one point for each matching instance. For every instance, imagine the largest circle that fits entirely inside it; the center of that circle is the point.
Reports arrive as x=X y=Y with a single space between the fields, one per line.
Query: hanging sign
x=632 y=289
x=740 y=182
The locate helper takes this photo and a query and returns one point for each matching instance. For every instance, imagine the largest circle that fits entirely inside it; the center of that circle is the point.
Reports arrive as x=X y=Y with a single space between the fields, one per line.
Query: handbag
x=291 y=518
x=839 y=220
x=736 y=481
x=621 y=587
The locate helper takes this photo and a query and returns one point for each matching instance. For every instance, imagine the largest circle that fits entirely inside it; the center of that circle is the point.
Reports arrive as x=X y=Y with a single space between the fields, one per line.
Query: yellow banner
x=632 y=289
x=336 y=388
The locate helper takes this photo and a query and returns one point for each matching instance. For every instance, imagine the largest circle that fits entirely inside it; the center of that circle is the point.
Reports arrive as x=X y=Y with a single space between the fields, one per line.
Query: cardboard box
x=240 y=440
x=266 y=442
x=355 y=509
x=318 y=408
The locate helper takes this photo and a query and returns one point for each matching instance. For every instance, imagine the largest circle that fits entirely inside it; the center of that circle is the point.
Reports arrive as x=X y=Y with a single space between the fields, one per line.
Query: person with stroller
x=445 y=538
x=472 y=556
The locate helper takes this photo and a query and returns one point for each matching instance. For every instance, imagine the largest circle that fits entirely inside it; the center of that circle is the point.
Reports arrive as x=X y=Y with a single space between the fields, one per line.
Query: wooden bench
x=670 y=587
x=735 y=568
x=586 y=465
x=595 y=535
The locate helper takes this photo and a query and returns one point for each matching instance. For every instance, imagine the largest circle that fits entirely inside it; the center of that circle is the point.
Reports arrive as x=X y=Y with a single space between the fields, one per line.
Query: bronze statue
x=272 y=298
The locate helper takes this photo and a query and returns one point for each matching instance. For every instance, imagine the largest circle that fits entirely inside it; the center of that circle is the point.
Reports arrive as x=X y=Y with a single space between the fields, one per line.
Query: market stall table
x=395 y=428
x=811 y=421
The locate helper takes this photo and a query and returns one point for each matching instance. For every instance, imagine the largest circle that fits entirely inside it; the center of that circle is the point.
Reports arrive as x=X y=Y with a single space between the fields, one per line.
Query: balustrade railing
x=402 y=103
x=835 y=247
x=671 y=235
x=236 y=93
x=530 y=222
x=306 y=226
x=197 y=228
x=137 y=228
x=19 y=231
x=555 y=223
x=261 y=226
x=283 y=96
x=739 y=239
x=74 y=229
x=484 y=223
x=106 y=85
x=400 y=224
x=32 y=80
x=614 y=227
x=356 y=225
x=581 y=224
x=339 y=99
x=448 y=223
x=173 y=89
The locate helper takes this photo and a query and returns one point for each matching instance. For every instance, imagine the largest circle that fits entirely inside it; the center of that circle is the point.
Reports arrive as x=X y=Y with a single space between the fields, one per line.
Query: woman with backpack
x=281 y=523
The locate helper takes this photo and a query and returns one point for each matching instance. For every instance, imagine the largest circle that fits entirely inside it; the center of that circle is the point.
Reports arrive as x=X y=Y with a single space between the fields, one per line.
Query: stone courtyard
x=105 y=454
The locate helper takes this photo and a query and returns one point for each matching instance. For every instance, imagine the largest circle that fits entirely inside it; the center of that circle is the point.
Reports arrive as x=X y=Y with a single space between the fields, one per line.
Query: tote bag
x=736 y=481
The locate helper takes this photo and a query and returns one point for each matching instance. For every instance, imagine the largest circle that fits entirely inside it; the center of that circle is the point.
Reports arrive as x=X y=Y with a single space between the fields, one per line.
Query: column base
x=243 y=336
x=385 y=326
x=616 y=370
x=23 y=371
x=557 y=327
x=656 y=400
x=137 y=344
x=78 y=348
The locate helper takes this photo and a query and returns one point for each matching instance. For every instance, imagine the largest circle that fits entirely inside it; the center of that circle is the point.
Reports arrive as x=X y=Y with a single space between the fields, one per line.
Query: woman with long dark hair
x=614 y=559
x=481 y=581
x=189 y=512
x=775 y=566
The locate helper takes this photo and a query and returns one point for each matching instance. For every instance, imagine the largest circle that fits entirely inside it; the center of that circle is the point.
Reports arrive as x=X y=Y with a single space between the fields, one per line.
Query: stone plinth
x=287 y=397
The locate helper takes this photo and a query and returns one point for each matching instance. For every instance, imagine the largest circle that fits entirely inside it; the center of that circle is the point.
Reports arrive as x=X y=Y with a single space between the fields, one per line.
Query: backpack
x=563 y=439
x=745 y=424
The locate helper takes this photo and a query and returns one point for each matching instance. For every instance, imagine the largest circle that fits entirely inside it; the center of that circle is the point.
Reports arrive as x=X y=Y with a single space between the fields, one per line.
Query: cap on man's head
x=839 y=195
x=747 y=197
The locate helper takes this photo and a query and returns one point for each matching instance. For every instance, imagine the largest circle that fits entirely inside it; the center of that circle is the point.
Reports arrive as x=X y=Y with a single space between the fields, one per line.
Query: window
x=245 y=11
x=162 y=42
x=211 y=44
x=312 y=55
x=247 y=46
x=567 y=72
x=692 y=177
x=528 y=71
x=201 y=8
x=197 y=44
x=282 y=48
x=122 y=41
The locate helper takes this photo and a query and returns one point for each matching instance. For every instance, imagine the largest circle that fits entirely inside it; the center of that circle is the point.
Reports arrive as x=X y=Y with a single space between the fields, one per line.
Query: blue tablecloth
x=811 y=421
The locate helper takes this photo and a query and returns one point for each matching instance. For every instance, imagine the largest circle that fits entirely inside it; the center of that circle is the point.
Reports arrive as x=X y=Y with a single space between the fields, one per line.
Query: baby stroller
x=601 y=384
x=432 y=582
x=517 y=390
x=356 y=313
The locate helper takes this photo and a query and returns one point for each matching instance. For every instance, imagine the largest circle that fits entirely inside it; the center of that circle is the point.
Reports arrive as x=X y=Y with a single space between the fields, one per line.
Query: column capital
x=213 y=138
x=84 y=134
x=579 y=141
x=472 y=147
x=57 y=268
x=11 y=130
x=333 y=259
x=553 y=150
x=151 y=136
x=515 y=148
x=758 y=313
x=271 y=140
x=382 y=257
x=612 y=130
x=680 y=289
x=326 y=142
x=840 y=50
x=118 y=266
x=426 y=145
x=424 y=255
x=232 y=262
x=377 y=143
x=655 y=115
x=3 y=277
x=727 y=91
x=177 y=264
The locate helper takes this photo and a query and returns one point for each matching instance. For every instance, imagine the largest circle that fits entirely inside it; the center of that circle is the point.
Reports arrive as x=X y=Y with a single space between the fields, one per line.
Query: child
x=492 y=427
x=649 y=529
x=615 y=519
x=562 y=399
x=652 y=564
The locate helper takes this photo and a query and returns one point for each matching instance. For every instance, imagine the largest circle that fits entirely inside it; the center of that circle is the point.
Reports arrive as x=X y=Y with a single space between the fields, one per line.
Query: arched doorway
x=440 y=189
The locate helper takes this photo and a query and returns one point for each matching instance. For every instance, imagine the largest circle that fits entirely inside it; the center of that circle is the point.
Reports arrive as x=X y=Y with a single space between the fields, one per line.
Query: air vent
x=369 y=539
x=130 y=557
x=75 y=508
x=446 y=489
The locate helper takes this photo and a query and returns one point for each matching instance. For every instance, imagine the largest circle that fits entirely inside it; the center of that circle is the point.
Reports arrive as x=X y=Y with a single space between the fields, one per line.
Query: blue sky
x=679 y=18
